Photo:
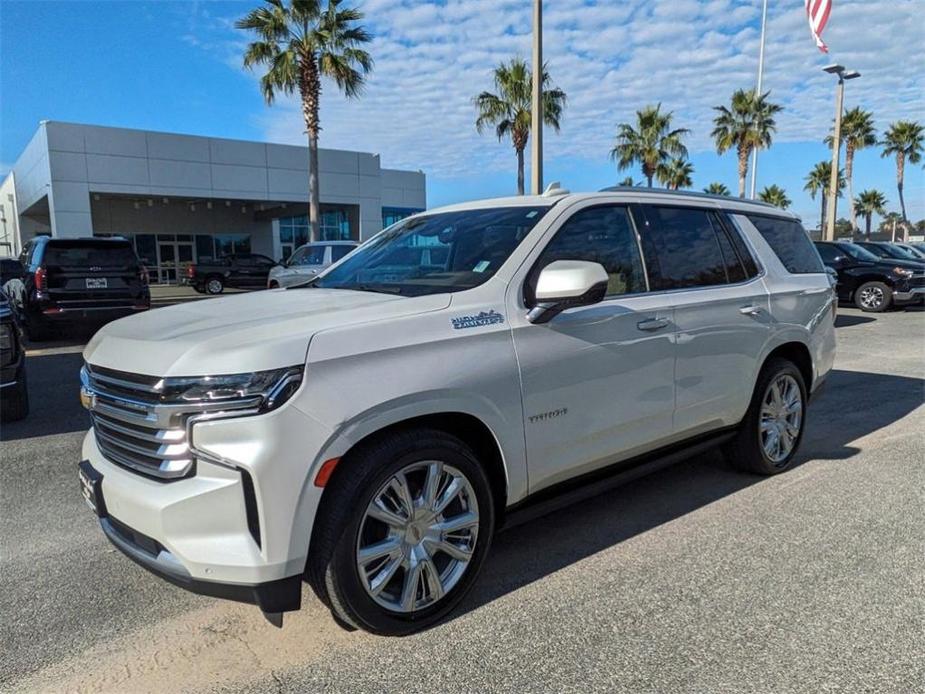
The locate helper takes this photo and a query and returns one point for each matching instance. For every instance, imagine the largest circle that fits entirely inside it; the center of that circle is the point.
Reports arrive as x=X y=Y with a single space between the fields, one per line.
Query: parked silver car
x=307 y=261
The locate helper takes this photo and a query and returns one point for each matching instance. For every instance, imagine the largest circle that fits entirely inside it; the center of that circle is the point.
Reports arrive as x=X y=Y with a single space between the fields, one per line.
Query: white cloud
x=611 y=58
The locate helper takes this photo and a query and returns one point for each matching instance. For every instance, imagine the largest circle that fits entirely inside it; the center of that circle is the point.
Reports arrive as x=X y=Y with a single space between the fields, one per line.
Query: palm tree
x=747 y=124
x=651 y=142
x=717 y=189
x=509 y=111
x=775 y=195
x=300 y=42
x=857 y=132
x=675 y=174
x=628 y=182
x=817 y=182
x=903 y=139
x=869 y=203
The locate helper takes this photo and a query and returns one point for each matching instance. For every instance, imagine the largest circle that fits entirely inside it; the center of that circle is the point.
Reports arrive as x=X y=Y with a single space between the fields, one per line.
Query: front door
x=598 y=381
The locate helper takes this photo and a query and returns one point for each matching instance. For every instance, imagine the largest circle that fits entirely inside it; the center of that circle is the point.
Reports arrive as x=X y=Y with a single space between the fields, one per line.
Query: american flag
x=817 y=12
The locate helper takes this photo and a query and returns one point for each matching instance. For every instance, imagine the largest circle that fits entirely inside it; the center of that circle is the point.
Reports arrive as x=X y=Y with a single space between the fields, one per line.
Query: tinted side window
x=742 y=250
x=686 y=249
x=602 y=235
x=338 y=252
x=734 y=270
x=827 y=252
x=790 y=243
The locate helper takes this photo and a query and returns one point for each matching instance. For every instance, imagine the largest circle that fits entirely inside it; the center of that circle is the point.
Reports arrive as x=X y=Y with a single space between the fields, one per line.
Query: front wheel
x=874 y=297
x=402 y=532
x=771 y=432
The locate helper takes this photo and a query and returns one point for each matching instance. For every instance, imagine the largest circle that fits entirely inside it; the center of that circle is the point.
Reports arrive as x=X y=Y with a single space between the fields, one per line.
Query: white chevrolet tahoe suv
x=369 y=432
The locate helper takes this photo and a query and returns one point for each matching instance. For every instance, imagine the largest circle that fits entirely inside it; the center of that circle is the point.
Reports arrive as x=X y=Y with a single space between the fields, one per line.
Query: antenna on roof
x=554 y=190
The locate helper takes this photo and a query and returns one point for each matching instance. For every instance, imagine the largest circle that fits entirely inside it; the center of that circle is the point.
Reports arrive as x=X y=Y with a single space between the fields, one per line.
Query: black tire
x=746 y=451
x=873 y=297
x=332 y=569
x=214 y=285
x=14 y=403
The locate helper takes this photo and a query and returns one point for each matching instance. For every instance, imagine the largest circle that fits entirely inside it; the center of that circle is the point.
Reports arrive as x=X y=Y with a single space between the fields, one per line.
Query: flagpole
x=536 y=106
x=764 y=22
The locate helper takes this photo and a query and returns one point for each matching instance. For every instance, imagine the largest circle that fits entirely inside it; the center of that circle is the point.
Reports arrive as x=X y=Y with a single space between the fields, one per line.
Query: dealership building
x=181 y=198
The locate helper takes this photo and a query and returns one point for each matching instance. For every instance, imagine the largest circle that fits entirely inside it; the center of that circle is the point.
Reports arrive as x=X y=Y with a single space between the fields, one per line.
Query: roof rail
x=686 y=194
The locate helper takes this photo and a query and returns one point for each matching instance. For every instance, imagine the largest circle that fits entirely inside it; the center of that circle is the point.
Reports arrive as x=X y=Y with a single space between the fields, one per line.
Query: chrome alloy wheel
x=872 y=297
x=417 y=536
x=214 y=286
x=781 y=418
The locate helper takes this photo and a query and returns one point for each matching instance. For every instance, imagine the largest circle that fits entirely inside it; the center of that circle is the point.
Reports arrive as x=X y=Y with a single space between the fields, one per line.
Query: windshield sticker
x=482 y=319
x=482 y=266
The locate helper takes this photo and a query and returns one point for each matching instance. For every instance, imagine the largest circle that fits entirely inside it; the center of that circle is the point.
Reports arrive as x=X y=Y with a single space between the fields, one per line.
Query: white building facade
x=183 y=198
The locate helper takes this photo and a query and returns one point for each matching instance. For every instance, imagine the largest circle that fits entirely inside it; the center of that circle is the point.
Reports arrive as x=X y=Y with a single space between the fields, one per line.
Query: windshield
x=858 y=253
x=904 y=253
x=437 y=253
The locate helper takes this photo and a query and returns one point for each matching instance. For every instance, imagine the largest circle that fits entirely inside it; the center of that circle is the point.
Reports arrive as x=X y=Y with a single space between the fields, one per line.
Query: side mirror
x=566 y=284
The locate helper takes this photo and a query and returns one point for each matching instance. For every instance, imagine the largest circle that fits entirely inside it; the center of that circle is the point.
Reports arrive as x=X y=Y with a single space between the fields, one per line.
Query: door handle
x=750 y=310
x=652 y=324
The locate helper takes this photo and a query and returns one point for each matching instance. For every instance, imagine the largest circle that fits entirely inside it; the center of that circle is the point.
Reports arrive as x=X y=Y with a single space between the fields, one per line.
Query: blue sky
x=175 y=66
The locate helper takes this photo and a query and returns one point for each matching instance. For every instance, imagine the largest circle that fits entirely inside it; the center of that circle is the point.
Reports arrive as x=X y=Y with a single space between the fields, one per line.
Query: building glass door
x=174 y=255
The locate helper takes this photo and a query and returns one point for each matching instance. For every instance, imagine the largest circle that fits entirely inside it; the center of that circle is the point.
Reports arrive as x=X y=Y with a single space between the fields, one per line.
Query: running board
x=597 y=482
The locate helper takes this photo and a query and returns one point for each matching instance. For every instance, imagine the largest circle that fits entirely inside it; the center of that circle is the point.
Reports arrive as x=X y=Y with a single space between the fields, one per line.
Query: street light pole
x=832 y=202
x=536 y=110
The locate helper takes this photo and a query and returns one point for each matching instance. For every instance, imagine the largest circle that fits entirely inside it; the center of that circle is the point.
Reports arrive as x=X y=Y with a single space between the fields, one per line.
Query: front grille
x=918 y=280
x=134 y=427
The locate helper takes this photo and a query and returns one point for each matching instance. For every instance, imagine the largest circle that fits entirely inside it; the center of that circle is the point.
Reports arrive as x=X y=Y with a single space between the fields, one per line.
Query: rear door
x=721 y=311
x=87 y=271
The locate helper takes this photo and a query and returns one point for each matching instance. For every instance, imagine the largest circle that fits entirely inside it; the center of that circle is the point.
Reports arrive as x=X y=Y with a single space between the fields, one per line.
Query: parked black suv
x=14 y=396
x=243 y=270
x=872 y=283
x=75 y=280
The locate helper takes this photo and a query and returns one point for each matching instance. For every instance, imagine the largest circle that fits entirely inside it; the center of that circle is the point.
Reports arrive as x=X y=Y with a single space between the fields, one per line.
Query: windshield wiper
x=376 y=288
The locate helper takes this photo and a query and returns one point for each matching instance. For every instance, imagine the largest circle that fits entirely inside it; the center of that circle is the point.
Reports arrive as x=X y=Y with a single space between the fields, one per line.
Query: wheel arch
x=464 y=426
x=798 y=353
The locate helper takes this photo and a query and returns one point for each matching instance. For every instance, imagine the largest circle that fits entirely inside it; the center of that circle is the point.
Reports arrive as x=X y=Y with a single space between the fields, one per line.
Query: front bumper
x=283 y=595
x=243 y=516
x=912 y=294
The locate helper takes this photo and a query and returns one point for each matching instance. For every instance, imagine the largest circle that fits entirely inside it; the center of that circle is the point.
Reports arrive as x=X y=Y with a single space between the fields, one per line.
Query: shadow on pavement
x=846 y=320
x=54 y=400
x=853 y=405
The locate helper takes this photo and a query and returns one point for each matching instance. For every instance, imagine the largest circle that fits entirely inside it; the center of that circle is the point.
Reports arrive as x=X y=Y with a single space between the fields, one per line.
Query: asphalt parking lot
x=695 y=579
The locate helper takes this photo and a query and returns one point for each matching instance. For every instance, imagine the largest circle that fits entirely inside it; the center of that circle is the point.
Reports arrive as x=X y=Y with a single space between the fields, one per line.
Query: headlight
x=902 y=272
x=269 y=389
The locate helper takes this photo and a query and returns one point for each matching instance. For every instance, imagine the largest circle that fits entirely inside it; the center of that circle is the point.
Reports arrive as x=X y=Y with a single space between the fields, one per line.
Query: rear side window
x=338 y=252
x=87 y=254
x=827 y=252
x=790 y=244
x=602 y=235
x=683 y=249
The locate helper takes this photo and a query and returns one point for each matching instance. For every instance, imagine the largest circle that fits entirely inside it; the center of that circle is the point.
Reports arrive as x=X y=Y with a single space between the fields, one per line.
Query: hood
x=897 y=262
x=241 y=333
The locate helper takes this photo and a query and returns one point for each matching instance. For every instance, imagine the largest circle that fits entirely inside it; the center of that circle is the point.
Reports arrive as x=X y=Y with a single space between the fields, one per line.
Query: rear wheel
x=873 y=297
x=772 y=429
x=402 y=532
x=215 y=285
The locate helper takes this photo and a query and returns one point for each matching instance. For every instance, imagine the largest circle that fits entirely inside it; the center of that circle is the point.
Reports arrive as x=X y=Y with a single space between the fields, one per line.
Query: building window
x=335 y=226
x=229 y=244
x=390 y=215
